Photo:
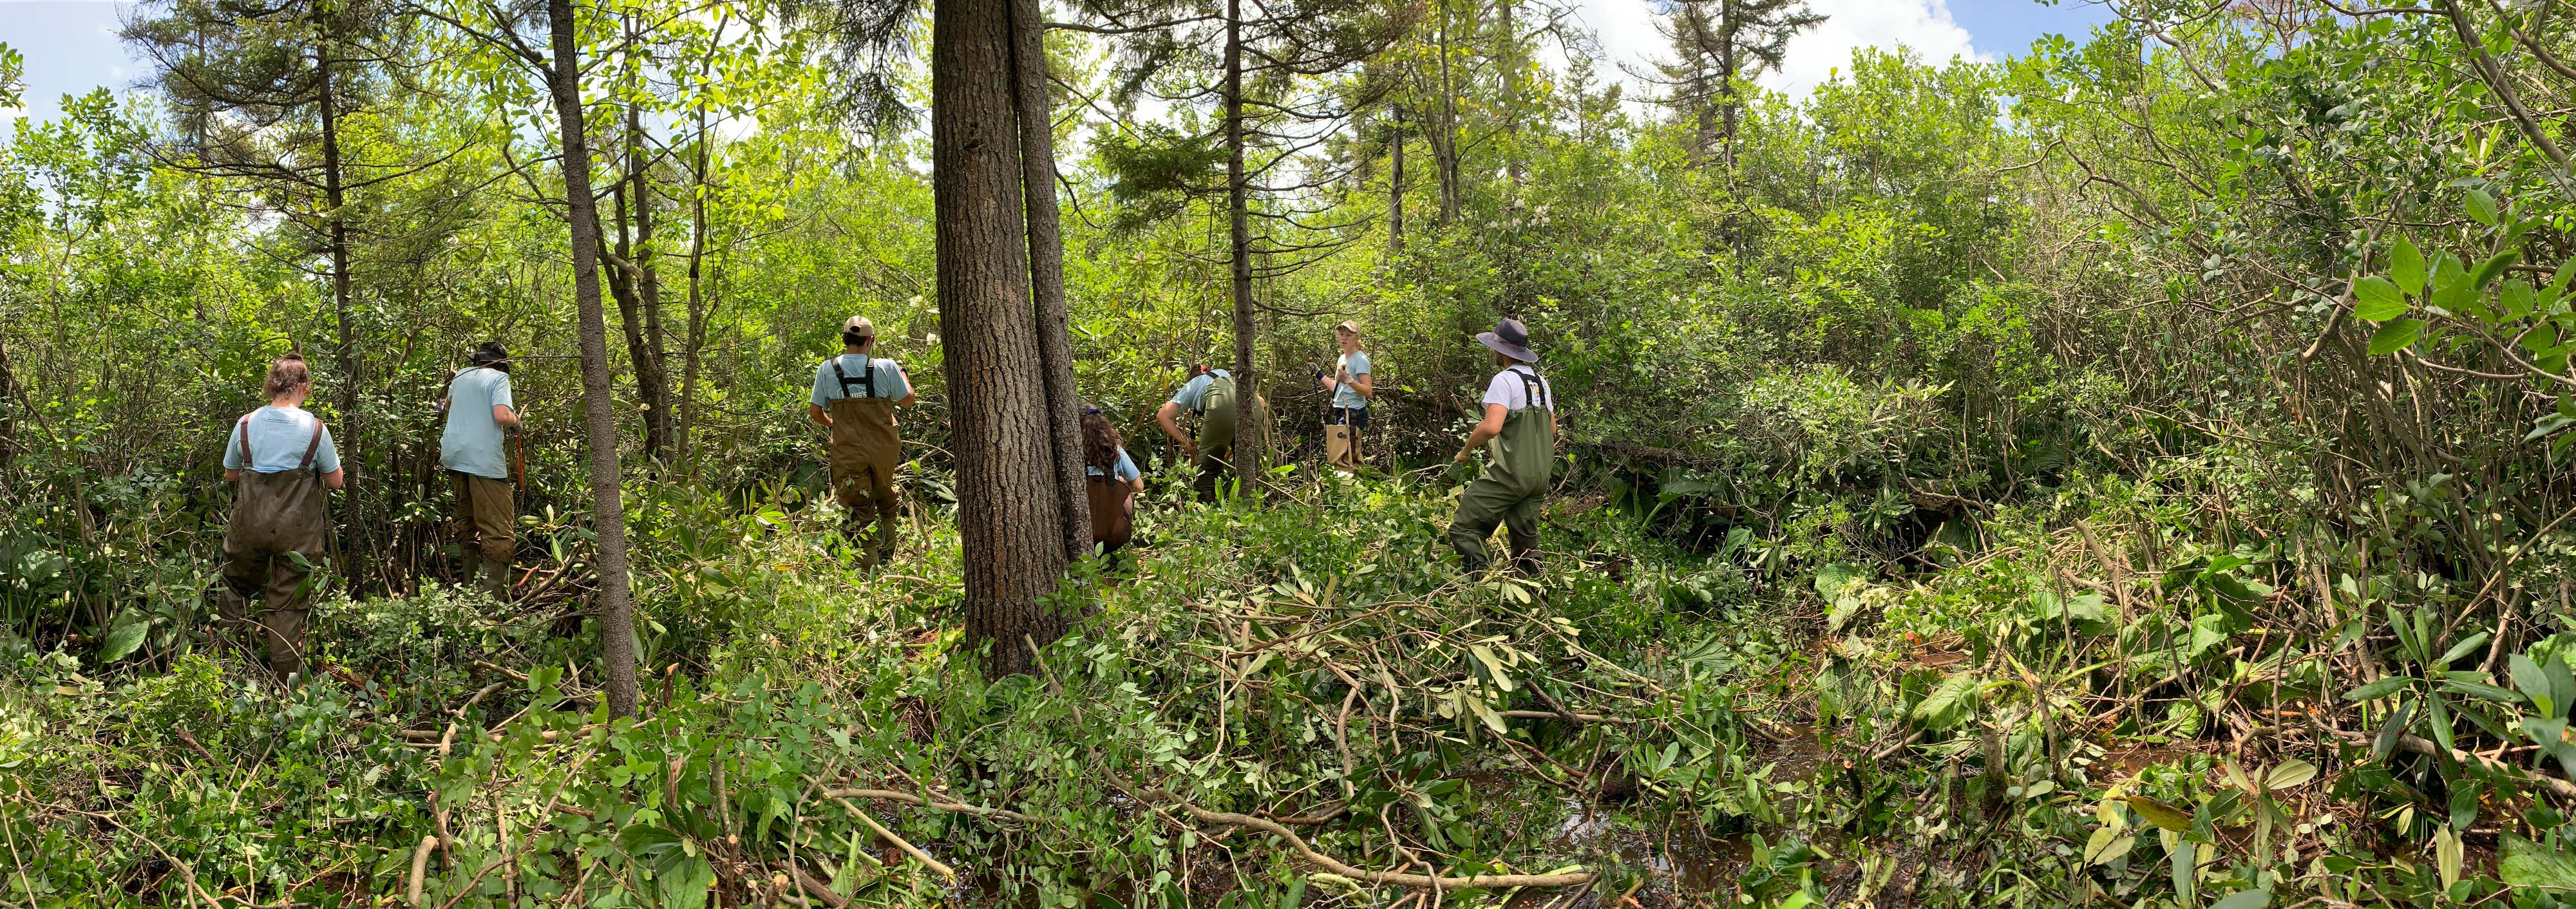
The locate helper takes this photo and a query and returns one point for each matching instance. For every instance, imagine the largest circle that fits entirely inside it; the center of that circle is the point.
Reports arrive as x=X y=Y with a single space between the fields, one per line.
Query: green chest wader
x=1216 y=434
x=276 y=518
x=864 y=452
x=1520 y=462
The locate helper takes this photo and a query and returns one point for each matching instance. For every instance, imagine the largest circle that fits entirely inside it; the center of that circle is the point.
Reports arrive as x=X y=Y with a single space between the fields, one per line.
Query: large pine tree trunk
x=616 y=603
x=1046 y=270
x=1007 y=513
x=1249 y=418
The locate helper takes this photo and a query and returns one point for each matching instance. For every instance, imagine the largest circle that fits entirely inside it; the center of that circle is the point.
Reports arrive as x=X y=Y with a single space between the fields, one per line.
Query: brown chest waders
x=278 y=532
x=1113 y=512
x=1519 y=464
x=1216 y=436
x=864 y=452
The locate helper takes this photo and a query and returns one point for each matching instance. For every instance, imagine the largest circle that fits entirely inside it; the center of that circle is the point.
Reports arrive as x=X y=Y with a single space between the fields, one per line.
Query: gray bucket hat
x=1509 y=339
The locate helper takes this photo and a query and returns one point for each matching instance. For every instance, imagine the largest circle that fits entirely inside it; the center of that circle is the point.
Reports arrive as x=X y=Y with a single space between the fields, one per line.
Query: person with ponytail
x=281 y=461
x=474 y=450
x=1114 y=482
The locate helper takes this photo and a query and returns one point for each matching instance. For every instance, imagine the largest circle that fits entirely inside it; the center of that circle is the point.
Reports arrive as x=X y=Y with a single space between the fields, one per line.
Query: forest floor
x=1652 y=727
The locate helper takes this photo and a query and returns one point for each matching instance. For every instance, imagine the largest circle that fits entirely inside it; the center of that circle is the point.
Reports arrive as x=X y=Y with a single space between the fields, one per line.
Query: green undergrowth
x=2093 y=703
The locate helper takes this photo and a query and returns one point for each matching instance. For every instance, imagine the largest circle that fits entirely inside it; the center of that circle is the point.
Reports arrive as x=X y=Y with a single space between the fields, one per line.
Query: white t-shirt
x=1506 y=389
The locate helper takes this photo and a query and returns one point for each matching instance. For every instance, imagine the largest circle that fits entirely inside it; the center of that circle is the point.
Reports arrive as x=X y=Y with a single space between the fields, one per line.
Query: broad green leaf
x=2492 y=269
x=2107 y=845
x=2483 y=691
x=2406 y=266
x=2532 y=682
x=124 y=640
x=2461 y=649
x=2529 y=864
x=2289 y=774
x=2377 y=299
x=2391 y=730
x=2245 y=899
x=2159 y=813
x=2482 y=207
x=2186 y=868
x=2379 y=689
x=2395 y=336
x=2517 y=299
x=2448 y=853
x=1950 y=704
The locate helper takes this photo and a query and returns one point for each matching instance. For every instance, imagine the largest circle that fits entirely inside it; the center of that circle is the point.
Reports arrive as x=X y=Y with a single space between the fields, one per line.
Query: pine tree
x=1718 y=44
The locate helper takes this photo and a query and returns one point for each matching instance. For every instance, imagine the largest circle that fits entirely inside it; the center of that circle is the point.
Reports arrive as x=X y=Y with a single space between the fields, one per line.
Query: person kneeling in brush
x=1114 y=482
x=1519 y=435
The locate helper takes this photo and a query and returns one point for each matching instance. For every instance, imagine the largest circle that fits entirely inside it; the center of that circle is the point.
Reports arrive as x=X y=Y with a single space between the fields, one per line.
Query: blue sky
x=71 y=45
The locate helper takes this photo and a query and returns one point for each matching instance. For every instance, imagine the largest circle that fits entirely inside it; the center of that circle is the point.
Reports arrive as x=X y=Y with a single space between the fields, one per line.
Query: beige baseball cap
x=1349 y=325
x=859 y=325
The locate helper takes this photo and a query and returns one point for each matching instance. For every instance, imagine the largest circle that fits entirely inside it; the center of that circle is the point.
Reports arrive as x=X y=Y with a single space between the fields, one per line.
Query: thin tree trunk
x=616 y=604
x=1247 y=390
x=681 y=437
x=1395 y=186
x=1046 y=271
x=353 y=510
x=639 y=288
x=1006 y=503
x=1445 y=148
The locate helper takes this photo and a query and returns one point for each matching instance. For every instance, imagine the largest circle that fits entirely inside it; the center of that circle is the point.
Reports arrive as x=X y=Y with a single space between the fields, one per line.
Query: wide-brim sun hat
x=1510 y=339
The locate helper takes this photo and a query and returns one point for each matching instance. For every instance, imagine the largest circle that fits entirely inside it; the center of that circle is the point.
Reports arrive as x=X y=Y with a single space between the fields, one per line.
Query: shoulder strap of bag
x=311 y=446
x=868 y=376
x=1534 y=393
x=846 y=381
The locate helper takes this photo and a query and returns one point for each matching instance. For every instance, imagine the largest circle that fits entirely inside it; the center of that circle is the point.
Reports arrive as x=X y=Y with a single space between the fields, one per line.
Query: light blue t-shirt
x=1193 y=394
x=891 y=383
x=1347 y=371
x=277 y=439
x=472 y=443
x=1122 y=471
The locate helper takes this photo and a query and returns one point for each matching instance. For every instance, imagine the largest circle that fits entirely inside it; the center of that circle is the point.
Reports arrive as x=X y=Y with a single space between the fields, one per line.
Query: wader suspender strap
x=867 y=377
x=1533 y=392
x=309 y=447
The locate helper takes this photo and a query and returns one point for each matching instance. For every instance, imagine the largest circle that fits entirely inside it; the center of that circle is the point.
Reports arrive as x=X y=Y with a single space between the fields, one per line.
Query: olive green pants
x=1488 y=502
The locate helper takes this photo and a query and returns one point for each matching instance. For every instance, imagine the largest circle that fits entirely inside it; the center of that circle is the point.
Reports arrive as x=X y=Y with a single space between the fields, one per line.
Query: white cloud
x=1628 y=37
x=1923 y=25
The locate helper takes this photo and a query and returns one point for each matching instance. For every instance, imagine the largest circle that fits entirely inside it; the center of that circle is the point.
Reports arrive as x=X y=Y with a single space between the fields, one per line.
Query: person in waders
x=1519 y=435
x=1351 y=388
x=1209 y=395
x=474 y=451
x=1114 y=482
x=281 y=460
x=854 y=397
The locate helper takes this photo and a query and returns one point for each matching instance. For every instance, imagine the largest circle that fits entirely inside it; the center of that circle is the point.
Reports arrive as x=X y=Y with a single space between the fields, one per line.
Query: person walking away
x=1114 y=482
x=280 y=460
x=474 y=452
x=1209 y=394
x=1519 y=435
x=1352 y=389
x=854 y=397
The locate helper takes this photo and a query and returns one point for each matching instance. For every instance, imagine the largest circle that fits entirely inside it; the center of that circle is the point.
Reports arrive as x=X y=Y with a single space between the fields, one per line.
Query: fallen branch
x=420 y=867
x=1328 y=863
x=899 y=842
x=888 y=795
x=2423 y=746
x=820 y=889
x=1568 y=717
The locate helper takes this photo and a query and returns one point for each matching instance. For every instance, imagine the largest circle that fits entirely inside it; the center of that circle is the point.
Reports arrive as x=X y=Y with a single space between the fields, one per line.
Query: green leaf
x=2289 y=774
x=2529 y=864
x=2461 y=649
x=2482 y=207
x=2483 y=691
x=2159 y=813
x=2379 y=689
x=1950 y=704
x=124 y=640
x=2377 y=299
x=2256 y=898
x=2186 y=868
x=2406 y=265
x=2492 y=268
x=2533 y=683
x=2107 y=845
x=2395 y=336
x=2389 y=731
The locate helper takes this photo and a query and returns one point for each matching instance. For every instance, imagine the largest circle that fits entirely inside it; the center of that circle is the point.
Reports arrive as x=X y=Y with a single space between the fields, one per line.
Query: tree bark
x=616 y=604
x=1444 y=143
x=639 y=293
x=1395 y=185
x=1046 y=271
x=1247 y=390
x=1007 y=515
x=696 y=332
x=353 y=512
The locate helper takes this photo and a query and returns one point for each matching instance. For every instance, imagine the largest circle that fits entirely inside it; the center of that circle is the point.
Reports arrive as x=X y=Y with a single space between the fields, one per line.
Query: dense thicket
x=2131 y=473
